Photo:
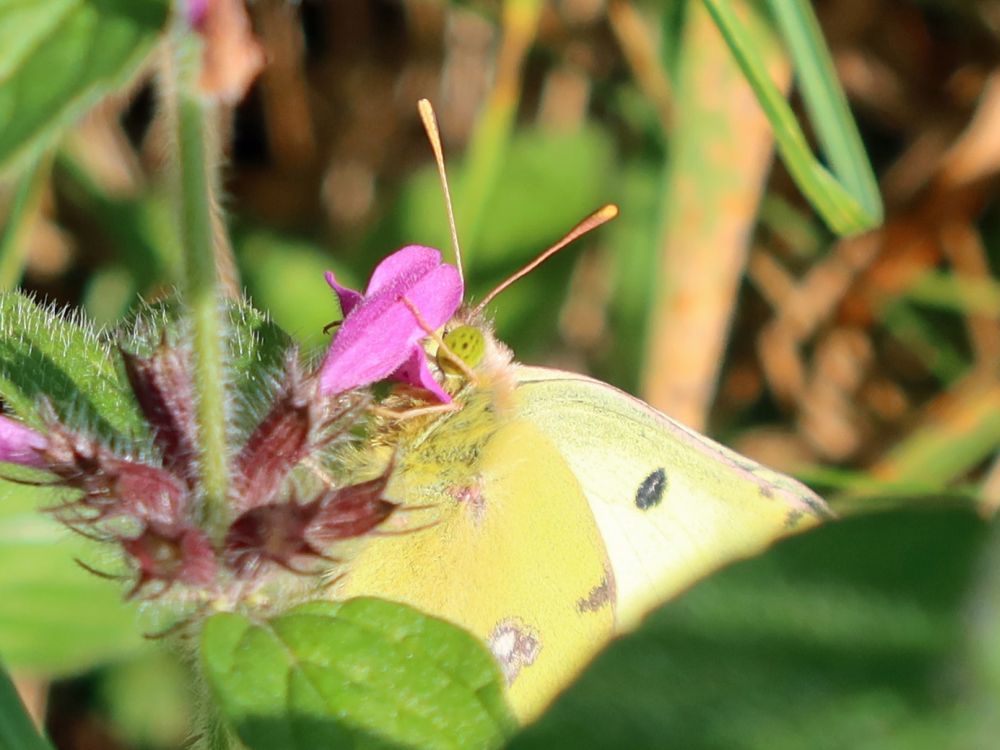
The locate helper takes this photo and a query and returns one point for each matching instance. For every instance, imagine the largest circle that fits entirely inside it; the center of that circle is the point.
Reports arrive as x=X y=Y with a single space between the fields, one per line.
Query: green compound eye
x=467 y=343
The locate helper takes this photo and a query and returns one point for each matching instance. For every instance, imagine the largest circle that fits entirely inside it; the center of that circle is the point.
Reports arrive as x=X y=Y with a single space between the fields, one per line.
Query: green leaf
x=16 y=730
x=853 y=635
x=48 y=354
x=361 y=673
x=847 y=197
x=59 y=619
x=57 y=57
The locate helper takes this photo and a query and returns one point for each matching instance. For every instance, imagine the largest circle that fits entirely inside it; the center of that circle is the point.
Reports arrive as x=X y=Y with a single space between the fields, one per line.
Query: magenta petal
x=407 y=263
x=416 y=371
x=20 y=444
x=381 y=332
x=348 y=298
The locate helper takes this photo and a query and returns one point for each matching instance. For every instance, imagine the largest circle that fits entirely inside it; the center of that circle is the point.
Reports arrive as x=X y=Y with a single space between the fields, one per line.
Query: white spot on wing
x=514 y=645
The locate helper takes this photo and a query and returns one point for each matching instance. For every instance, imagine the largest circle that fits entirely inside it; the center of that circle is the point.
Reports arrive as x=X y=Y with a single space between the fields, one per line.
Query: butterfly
x=542 y=510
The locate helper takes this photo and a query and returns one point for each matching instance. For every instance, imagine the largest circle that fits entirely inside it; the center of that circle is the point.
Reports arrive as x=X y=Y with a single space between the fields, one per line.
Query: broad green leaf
x=57 y=57
x=361 y=673
x=58 y=618
x=851 y=636
x=16 y=730
x=46 y=353
x=846 y=195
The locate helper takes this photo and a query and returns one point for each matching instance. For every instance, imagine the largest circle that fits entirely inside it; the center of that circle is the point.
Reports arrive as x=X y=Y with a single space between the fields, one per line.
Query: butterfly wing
x=496 y=535
x=671 y=504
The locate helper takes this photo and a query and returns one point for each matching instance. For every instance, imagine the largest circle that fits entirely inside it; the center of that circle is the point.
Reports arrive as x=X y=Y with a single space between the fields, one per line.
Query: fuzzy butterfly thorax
x=428 y=468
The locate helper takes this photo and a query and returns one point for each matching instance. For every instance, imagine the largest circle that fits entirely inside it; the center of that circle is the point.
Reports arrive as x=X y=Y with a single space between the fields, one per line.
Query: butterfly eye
x=468 y=344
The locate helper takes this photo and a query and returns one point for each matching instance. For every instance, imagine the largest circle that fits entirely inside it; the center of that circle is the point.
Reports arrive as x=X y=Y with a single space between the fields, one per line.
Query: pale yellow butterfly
x=550 y=511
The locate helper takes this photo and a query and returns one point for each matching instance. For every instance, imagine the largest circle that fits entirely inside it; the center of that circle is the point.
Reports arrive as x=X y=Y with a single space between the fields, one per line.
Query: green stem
x=14 y=240
x=196 y=162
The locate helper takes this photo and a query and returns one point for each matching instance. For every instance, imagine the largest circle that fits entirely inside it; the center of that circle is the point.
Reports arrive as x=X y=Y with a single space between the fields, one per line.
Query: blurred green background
x=868 y=365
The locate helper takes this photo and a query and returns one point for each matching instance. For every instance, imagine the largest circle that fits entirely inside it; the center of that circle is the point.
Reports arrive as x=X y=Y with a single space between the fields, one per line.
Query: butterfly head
x=466 y=344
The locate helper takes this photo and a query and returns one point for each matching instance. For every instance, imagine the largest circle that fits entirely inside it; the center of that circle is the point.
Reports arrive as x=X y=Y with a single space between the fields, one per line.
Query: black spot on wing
x=600 y=596
x=818 y=507
x=650 y=492
x=793 y=517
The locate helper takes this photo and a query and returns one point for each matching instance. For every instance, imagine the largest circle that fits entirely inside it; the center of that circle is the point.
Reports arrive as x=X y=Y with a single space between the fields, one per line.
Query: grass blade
x=846 y=198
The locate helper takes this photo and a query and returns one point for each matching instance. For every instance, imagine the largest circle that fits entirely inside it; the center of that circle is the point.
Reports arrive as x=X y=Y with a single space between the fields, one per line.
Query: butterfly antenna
x=434 y=136
x=600 y=216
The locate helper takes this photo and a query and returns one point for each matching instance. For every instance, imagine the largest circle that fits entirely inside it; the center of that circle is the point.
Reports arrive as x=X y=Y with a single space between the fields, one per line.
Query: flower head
x=149 y=501
x=409 y=293
x=281 y=533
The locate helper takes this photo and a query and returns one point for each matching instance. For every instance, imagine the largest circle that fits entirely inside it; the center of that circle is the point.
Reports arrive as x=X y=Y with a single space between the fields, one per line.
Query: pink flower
x=20 y=444
x=381 y=335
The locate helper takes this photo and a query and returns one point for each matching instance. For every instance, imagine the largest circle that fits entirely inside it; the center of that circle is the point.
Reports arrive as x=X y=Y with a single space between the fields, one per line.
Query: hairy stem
x=196 y=161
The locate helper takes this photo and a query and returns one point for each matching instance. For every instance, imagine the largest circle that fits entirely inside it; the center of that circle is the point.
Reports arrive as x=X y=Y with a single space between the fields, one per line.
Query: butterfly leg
x=421 y=411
